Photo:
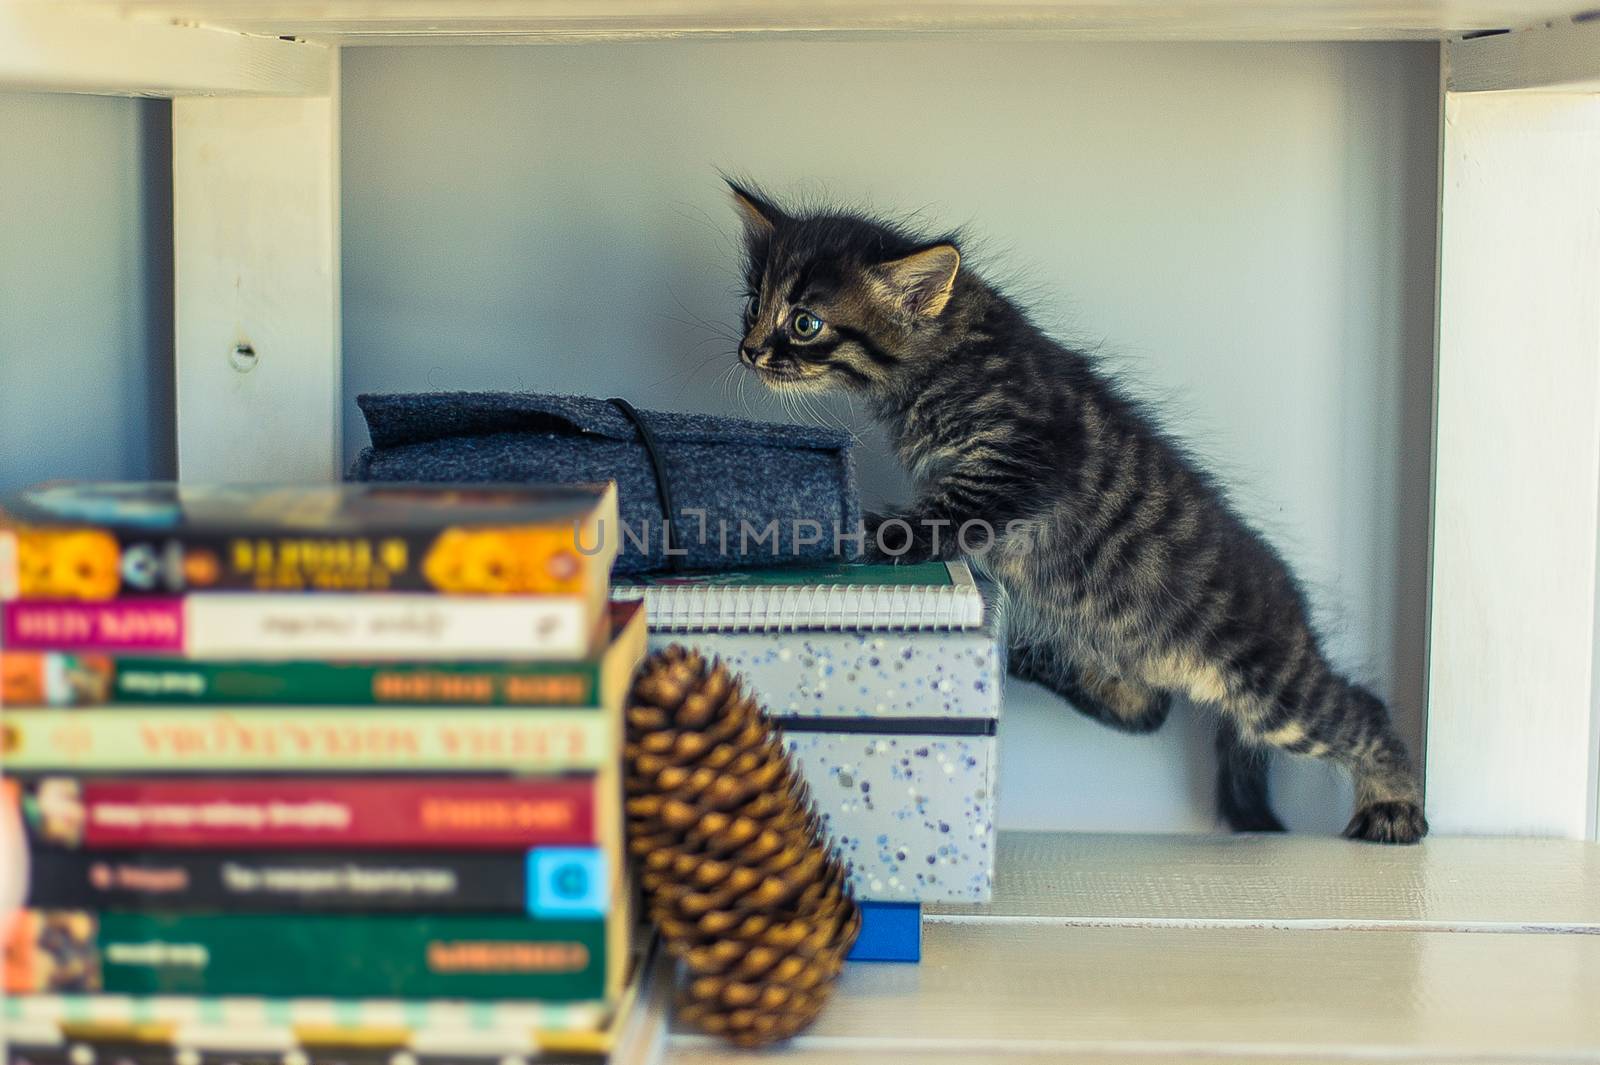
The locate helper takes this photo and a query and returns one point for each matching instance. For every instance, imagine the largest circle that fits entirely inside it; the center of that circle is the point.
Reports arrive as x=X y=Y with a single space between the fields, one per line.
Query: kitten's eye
x=805 y=325
x=752 y=305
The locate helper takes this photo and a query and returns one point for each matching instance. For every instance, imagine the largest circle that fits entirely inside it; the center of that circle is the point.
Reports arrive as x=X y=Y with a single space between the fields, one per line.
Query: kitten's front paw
x=871 y=554
x=1388 y=822
x=871 y=549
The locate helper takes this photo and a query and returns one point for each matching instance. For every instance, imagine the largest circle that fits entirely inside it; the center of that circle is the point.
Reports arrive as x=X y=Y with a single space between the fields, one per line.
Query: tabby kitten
x=1130 y=576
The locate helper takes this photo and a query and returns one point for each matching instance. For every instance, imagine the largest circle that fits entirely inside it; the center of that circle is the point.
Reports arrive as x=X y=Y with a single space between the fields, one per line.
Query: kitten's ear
x=760 y=218
x=921 y=282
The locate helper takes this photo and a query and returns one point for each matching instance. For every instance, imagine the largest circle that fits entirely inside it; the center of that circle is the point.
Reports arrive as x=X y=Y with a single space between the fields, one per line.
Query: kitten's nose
x=747 y=354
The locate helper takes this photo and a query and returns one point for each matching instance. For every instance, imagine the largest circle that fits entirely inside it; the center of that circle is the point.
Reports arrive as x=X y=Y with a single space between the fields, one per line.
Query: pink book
x=257 y=625
x=150 y=626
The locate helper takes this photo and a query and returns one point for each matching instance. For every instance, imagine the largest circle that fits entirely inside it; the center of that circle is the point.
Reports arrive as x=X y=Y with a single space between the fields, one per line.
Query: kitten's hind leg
x=1242 y=782
x=1343 y=722
x=1110 y=700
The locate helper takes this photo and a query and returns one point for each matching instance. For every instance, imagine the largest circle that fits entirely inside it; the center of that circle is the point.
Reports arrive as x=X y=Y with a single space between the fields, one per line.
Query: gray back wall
x=1244 y=231
x=85 y=289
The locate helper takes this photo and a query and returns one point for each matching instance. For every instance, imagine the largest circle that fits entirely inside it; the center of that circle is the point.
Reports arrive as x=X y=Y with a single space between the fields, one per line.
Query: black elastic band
x=663 y=486
x=890 y=726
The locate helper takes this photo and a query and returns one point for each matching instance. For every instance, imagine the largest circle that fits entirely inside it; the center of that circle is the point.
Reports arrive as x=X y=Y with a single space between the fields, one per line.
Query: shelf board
x=76 y=47
x=1293 y=881
x=400 y=21
x=1230 y=994
x=708 y=1053
x=1102 y=949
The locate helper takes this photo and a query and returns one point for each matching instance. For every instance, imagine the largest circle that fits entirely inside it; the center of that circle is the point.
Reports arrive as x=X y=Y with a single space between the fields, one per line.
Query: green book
x=924 y=595
x=54 y=679
x=93 y=680
x=331 y=955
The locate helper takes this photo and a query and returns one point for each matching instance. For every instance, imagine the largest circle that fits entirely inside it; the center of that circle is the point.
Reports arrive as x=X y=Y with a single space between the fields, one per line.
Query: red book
x=272 y=813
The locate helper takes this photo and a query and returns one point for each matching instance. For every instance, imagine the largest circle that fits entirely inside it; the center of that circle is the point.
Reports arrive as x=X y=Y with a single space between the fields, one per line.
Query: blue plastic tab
x=566 y=882
x=890 y=931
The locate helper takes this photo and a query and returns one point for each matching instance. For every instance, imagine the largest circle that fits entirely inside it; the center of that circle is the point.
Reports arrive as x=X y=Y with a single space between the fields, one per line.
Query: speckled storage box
x=895 y=731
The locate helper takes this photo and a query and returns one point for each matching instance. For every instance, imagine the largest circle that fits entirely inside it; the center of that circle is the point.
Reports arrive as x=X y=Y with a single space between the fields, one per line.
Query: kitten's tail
x=1242 y=783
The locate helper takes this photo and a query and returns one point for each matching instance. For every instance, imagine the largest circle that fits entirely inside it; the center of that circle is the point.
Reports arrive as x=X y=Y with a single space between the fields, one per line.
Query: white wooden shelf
x=288 y=47
x=1097 y=949
x=1112 y=948
x=70 y=47
x=392 y=21
x=1292 y=881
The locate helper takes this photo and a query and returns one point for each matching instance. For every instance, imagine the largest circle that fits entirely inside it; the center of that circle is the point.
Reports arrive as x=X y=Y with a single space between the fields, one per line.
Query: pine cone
x=735 y=869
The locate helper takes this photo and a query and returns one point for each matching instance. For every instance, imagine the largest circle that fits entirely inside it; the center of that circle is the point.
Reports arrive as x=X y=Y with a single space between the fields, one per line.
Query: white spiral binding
x=746 y=608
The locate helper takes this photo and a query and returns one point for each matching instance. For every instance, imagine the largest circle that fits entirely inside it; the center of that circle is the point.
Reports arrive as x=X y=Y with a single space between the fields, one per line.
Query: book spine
x=92 y=563
x=266 y=813
x=541 y=882
x=252 y=882
x=296 y=739
x=42 y=679
x=278 y=627
x=334 y=955
x=140 y=625
x=161 y=1022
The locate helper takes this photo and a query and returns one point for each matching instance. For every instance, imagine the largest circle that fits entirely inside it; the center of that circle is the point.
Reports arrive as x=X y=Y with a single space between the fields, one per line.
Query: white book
x=924 y=595
x=388 y=626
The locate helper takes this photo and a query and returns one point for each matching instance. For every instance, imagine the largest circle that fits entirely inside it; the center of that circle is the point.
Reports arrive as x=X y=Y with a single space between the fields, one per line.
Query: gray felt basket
x=744 y=476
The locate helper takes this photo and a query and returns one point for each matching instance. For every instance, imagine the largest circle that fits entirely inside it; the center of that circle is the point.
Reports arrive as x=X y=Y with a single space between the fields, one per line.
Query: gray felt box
x=723 y=473
x=896 y=734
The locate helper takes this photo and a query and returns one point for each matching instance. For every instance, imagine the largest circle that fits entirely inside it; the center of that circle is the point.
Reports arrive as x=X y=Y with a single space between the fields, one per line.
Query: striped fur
x=1131 y=577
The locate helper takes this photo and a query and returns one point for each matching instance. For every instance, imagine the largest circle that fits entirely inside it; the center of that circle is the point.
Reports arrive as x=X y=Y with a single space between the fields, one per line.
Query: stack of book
x=301 y=767
x=886 y=682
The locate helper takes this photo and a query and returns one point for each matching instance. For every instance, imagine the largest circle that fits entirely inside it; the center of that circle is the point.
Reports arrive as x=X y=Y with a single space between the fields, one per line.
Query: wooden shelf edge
x=1559 y=56
x=385 y=21
x=986 y=993
x=56 y=48
x=1289 y=882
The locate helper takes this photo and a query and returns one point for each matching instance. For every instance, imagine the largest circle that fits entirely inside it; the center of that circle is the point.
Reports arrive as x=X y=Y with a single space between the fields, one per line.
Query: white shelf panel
x=1562 y=58
x=1168 y=993
x=391 y=21
x=1295 y=882
x=1103 y=948
x=708 y=1053
x=256 y=236
x=70 y=47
